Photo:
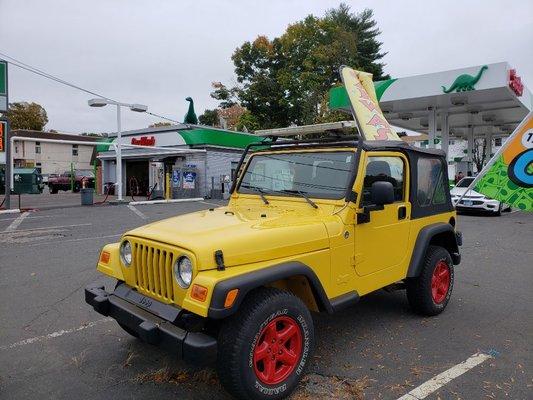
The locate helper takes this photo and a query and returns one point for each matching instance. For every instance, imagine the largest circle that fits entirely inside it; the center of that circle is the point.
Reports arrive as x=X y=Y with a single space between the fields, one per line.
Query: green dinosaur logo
x=465 y=82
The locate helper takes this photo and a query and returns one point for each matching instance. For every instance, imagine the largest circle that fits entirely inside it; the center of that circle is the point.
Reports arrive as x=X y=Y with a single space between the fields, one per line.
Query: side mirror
x=382 y=193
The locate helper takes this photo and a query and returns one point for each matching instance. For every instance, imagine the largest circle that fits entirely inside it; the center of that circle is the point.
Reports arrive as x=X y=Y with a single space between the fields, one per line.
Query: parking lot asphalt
x=53 y=345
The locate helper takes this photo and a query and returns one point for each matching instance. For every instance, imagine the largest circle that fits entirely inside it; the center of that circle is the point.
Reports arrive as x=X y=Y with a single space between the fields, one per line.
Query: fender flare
x=422 y=243
x=252 y=280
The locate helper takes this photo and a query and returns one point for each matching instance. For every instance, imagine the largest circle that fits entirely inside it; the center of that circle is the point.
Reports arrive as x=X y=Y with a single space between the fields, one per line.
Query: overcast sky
x=158 y=52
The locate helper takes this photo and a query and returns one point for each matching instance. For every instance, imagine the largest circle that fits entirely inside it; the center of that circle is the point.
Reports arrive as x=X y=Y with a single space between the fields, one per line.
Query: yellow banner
x=365 y=106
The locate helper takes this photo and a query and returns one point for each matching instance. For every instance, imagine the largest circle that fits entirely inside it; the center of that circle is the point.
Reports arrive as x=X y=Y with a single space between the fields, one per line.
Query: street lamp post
x=132 y=107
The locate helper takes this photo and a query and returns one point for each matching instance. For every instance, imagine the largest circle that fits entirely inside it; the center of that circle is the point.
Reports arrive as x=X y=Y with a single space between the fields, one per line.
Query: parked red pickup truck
x=64 y=180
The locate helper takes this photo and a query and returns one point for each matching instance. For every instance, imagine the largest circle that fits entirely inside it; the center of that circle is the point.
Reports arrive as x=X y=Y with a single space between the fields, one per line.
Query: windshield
x=320 y=174
x=85 y=173
x=465 y=182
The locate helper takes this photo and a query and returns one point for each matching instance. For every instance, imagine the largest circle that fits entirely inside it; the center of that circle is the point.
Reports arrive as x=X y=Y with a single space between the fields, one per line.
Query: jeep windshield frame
x=316 y=173
x=350 y=143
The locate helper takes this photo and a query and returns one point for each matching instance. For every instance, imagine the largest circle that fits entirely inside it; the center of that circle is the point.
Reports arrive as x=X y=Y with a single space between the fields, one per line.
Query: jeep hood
x=244 y=236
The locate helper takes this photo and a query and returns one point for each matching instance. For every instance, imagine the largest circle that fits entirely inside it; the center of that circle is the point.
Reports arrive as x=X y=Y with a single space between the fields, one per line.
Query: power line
x=44 y=74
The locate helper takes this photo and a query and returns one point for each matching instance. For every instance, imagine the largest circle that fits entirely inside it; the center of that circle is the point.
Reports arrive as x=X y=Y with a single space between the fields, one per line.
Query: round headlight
x=183 y=272
x=125 y=253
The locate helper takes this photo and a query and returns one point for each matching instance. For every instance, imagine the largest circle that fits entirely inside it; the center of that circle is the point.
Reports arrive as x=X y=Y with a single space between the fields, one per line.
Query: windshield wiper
x=260 y=191
x=302 y=194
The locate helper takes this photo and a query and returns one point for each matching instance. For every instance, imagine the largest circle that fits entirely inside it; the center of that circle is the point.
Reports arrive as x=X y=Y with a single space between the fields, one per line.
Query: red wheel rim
x=440 y=281
x=278 y=350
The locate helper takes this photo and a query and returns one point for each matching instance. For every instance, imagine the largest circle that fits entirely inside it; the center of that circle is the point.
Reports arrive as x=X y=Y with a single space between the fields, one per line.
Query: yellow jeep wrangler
x=311 y=225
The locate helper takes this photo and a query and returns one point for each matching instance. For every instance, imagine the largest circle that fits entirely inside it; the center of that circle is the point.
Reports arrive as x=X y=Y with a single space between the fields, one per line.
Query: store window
x=497 y=142
x=74 y=149
x=37 y=147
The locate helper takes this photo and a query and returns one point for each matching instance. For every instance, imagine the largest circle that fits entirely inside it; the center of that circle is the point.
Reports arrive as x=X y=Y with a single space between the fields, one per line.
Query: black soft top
x=395 y=145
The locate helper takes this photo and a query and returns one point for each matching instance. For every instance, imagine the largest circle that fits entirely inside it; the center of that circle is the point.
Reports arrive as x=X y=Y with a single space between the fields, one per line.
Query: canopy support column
x=470 y=147
x=432 y=126
x=445 y=133
x=488 y=147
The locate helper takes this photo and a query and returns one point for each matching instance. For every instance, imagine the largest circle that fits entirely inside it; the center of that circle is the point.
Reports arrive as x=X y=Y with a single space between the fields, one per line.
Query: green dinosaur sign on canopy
x=465 y=82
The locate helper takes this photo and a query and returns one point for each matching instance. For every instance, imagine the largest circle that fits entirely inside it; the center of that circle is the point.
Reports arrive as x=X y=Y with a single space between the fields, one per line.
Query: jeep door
x=381 y=242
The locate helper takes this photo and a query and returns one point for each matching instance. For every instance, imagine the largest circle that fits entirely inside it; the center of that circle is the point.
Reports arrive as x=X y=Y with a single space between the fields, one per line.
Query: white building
x=52 y=158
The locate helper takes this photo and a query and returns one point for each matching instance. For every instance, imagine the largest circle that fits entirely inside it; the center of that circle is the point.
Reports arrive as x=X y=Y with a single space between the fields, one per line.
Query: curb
x=11 y=211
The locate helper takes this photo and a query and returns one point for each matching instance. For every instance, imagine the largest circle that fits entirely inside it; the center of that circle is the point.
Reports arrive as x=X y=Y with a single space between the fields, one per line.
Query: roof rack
x=334 y=128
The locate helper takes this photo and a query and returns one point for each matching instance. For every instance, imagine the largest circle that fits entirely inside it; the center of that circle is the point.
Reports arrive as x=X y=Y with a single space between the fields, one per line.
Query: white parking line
x=213 y=204
x=76 y=240
x=136 y=211
x=47 y=227
x=32 y=217
x=435 y=383
x=15 y=224
x=54 y=334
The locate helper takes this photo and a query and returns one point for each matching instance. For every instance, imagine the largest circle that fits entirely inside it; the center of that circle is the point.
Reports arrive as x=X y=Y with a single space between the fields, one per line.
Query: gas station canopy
x=481 y=101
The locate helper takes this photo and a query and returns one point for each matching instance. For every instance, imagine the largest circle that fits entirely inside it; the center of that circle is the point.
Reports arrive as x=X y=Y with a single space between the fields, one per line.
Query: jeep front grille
x=153 y=270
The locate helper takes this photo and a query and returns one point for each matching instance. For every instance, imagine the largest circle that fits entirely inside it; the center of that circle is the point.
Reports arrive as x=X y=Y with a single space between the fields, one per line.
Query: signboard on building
x=3 y=86
x=189 y=180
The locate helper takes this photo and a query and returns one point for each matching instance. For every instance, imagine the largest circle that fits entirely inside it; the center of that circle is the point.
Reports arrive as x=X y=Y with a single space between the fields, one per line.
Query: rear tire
x=430 y=292
x=264 y=349
x=53 y=189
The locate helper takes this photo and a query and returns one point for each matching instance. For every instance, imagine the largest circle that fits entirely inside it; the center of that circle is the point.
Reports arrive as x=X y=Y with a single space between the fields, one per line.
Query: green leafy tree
x=286 y=80
x=25 y=115
x=209 y=117
x=247 y=122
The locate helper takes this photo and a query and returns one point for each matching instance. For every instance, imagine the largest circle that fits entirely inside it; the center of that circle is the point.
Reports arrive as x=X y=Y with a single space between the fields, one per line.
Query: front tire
x=430 y=292
x=265 y=348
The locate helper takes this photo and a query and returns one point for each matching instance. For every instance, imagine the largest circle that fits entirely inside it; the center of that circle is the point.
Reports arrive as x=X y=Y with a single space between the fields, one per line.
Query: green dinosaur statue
x=190 y=117
x=465 y=82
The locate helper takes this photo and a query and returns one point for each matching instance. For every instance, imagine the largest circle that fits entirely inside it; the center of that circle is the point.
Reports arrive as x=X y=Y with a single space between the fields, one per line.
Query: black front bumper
x=194 y=347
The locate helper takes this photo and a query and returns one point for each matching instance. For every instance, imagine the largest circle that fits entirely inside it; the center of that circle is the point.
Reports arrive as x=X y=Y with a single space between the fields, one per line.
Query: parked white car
x=474 y=201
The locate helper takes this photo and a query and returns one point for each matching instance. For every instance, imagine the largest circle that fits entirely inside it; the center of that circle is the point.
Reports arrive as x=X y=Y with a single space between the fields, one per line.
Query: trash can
x=87 y=196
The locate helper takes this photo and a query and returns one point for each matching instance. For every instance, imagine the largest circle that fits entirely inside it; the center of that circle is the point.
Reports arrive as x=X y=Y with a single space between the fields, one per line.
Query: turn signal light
x=230 y=298
x=199 y=292
x=104 y=257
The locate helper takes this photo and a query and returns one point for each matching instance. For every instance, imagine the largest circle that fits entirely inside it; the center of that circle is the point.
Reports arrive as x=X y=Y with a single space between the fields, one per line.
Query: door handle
x=402 y=212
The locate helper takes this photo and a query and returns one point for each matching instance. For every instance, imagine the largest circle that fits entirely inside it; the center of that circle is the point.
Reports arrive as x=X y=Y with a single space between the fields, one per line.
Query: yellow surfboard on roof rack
x=365 y=106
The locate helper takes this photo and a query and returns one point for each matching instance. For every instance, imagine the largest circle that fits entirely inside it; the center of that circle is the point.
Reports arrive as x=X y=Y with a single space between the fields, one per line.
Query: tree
x=479 y=153
x=286 y=80
x=25 y=115
x=159 y=124
x=247 y=122
x=209 y=117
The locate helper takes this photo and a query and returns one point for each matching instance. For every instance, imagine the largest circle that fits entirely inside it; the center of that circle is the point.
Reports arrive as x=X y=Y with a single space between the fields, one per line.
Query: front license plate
x=467 y=203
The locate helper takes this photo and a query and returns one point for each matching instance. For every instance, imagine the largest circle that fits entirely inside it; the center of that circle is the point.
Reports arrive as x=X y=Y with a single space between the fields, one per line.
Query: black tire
x=52 y=189
x=77 y=187
x=130 y=331
x=419 y=290
x=498 y=212
x=241 y=336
